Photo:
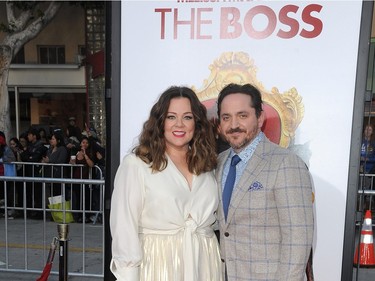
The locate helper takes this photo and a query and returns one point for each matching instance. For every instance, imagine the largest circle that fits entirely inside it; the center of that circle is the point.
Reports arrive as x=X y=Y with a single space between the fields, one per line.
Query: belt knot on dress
x=191 y=225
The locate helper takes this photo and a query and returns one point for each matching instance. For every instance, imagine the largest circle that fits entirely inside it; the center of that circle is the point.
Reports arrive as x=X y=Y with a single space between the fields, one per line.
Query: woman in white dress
x=165 y=197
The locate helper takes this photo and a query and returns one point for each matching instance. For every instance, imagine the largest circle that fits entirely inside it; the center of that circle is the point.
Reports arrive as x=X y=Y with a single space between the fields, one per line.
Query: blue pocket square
x=255 y=186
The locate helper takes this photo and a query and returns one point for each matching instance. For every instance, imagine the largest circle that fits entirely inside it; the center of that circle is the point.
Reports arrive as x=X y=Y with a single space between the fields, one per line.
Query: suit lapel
x=250 y=174
x=219 y=178
x=220 y=167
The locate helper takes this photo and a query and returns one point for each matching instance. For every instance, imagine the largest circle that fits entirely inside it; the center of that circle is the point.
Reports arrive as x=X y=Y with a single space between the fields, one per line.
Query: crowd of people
x=368 y=150
x=72 y=146
x=367 y=166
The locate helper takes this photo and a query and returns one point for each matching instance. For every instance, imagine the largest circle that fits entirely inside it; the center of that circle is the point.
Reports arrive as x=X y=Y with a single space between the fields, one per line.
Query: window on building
x=370 y=86
x=81 y=54
x=82 y=50
x=51 y=54
x=19 y=57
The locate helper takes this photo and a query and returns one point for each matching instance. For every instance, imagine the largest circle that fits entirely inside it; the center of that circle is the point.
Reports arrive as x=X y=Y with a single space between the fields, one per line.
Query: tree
x=26 y=19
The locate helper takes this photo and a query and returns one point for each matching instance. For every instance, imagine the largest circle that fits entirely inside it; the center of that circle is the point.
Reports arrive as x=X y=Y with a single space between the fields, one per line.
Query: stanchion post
x=63 y=231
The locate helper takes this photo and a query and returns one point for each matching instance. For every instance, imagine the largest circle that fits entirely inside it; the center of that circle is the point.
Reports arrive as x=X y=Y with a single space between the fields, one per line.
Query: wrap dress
x=162 y=230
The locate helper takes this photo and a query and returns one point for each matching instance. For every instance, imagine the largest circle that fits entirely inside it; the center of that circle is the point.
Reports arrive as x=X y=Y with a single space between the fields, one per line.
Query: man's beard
x=241 y=145
x=246 y=140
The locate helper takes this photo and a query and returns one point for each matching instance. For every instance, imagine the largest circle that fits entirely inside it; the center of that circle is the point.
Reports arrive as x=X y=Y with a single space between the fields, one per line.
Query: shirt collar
x=248 y=151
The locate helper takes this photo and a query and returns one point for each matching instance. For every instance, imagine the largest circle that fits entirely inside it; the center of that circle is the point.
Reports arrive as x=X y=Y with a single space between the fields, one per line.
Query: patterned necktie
x=229 y=184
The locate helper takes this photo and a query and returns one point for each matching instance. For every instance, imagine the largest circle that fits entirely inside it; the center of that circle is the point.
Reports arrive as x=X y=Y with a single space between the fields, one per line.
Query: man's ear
x=261 y=119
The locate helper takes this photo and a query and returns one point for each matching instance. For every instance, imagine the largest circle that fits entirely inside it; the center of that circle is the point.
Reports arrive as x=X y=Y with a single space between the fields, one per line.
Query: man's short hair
x=35 y=132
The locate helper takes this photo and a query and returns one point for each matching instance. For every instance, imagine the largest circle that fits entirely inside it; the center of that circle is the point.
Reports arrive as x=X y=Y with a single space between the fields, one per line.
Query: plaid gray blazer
x=269 y=231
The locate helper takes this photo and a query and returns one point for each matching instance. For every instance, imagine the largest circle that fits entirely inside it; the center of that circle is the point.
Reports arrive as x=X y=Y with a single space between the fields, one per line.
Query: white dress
x=161 y=230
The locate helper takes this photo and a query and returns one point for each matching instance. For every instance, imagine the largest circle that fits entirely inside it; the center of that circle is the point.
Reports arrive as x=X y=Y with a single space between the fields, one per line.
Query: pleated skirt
x=166 y=258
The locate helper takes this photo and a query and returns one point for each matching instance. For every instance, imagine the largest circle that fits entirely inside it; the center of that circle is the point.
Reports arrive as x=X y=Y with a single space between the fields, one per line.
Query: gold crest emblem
x=284 y=111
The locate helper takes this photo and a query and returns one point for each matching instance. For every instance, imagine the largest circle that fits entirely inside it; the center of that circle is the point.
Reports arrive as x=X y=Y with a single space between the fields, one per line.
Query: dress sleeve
x=126 y=209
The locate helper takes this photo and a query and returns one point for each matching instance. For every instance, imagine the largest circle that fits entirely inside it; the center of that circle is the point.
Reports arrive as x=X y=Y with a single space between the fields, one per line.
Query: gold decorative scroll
x=237 y=67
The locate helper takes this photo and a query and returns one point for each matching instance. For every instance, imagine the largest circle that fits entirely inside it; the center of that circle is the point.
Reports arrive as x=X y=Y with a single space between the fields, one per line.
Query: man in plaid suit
x=266 y=229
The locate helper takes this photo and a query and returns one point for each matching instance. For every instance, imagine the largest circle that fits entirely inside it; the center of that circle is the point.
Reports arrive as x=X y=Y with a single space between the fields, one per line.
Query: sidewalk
x=85 y=250
x=9 y=276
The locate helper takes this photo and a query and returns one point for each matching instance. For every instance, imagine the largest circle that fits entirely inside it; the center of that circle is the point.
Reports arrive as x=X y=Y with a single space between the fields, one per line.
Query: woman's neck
x=177 y=153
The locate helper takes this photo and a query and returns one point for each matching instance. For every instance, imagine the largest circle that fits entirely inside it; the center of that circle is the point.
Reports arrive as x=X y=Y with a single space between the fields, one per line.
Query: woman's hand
x=99 y=156
x=80 y=155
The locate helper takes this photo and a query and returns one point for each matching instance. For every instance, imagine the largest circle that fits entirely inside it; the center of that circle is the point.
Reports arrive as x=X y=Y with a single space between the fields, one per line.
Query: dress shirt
x=245 y=156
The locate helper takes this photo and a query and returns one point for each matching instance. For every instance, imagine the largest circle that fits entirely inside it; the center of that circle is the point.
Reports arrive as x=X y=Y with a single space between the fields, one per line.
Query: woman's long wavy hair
x=201 y=156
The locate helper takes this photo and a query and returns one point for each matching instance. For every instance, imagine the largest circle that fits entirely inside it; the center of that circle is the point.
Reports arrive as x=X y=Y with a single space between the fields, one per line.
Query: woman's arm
x=126 y=210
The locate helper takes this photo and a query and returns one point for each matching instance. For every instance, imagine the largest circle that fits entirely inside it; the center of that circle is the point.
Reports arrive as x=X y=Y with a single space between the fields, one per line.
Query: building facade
x=50 y=79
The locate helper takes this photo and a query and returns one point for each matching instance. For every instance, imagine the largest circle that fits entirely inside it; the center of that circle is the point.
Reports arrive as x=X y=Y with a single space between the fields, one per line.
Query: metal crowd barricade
x=365 y=203
x=366 y=192
x=28 y=224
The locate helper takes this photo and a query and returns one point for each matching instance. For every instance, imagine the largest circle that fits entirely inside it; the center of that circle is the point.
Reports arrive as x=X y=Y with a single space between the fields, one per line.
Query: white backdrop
x=322 y=68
